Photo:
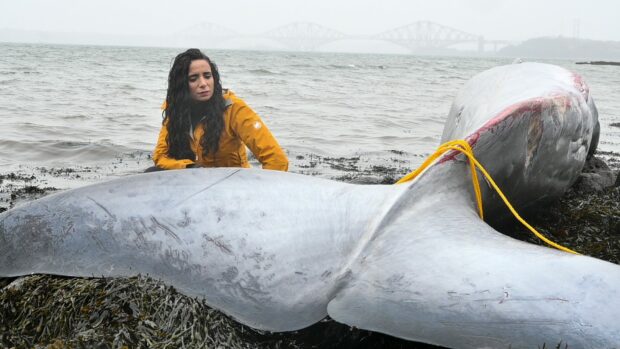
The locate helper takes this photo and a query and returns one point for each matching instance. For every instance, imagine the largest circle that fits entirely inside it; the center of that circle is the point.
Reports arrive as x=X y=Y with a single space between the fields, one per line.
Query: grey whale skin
x=280 y=251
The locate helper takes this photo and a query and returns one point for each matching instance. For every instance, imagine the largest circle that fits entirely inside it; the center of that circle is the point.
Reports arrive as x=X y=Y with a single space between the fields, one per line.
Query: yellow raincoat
x=242 y=127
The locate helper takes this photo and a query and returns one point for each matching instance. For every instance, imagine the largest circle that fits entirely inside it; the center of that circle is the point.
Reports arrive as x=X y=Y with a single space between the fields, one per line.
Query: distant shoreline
x=599 y=63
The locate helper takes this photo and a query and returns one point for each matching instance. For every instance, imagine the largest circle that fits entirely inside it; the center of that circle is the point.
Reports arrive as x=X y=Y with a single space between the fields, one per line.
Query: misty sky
x=494 y=19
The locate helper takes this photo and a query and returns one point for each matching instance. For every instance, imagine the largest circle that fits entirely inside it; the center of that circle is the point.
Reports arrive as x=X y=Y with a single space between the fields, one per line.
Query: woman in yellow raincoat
x=207 y=126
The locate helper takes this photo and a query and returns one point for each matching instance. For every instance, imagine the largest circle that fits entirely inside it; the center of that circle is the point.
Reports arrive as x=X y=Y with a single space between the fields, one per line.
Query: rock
x=595 y=177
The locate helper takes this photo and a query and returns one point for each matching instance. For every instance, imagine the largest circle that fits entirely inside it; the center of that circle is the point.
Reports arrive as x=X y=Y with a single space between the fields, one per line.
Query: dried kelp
x=588 y=223
x=44 y=311
x=134 y=312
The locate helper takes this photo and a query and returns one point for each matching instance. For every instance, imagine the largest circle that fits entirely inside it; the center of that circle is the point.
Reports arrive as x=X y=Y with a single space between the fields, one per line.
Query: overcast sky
x=494 y=19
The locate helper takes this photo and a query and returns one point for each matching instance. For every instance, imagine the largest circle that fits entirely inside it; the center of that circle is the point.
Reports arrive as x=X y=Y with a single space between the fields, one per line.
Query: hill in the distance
x=566 y=48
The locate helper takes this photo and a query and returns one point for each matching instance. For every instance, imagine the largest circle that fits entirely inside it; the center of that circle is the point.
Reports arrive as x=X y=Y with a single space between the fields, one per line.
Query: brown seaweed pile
x=584 y=220
x=109 y=313
x=588 y=223
x=44 y=311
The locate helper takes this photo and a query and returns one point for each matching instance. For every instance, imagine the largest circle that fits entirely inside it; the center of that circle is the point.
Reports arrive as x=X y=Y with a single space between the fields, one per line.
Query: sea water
x=65 y=106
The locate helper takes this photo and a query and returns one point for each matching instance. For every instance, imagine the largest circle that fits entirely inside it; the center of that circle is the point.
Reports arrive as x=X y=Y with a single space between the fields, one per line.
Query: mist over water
x=67 y=105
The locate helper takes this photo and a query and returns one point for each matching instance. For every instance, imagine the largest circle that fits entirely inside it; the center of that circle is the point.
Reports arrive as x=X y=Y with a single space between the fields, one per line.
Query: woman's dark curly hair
x=179 y=105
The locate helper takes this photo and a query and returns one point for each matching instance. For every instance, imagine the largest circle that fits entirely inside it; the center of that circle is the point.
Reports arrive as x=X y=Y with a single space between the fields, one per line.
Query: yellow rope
x=464 y=147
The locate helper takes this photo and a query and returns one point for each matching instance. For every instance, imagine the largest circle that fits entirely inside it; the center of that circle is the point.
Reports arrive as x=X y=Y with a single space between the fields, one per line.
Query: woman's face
x=200 y=80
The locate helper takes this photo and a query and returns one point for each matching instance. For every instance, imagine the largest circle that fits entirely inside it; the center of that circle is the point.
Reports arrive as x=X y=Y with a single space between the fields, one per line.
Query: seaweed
x=588 y=223
x=139 y=312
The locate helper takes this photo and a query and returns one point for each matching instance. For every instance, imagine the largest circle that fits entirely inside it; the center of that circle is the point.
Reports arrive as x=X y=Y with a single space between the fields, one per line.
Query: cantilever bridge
x=307 y=36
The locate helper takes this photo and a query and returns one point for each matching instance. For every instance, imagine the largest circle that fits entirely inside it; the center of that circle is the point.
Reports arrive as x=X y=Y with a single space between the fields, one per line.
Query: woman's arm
x=160 y=155
x=255 y=134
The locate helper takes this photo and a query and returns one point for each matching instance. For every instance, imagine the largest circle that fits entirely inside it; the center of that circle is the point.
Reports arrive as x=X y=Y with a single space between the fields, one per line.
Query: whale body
x=280 y=251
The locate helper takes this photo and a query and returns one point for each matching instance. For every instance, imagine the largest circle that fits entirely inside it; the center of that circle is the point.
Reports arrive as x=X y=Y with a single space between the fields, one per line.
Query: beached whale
x=280 y=251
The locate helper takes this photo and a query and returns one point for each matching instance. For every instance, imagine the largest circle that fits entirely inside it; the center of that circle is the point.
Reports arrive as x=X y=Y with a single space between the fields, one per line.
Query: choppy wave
x=76 y=117
x=127 y=87
x=262 y=72
x=9 y=81
x=61 y=151
x=341 y=66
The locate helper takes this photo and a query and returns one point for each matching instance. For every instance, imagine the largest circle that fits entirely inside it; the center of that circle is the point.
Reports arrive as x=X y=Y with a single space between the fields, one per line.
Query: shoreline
x=599 y=63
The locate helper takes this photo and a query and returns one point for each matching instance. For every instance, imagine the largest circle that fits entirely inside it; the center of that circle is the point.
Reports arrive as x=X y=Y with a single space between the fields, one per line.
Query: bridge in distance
x=306 y=36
